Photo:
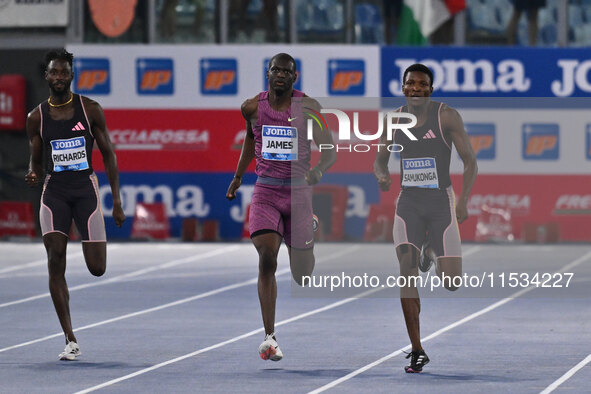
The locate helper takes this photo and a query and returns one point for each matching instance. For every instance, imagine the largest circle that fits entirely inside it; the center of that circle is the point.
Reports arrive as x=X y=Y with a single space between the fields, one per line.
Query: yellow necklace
x=61 y=105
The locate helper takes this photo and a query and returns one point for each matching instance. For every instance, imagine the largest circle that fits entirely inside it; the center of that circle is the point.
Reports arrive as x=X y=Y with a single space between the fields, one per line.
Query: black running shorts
x=428 y=214
x=76 y=198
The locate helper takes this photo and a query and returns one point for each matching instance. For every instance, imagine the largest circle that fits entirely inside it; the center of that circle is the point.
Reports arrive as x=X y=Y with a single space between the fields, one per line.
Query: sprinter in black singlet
x=427 y=214
x=64 y=128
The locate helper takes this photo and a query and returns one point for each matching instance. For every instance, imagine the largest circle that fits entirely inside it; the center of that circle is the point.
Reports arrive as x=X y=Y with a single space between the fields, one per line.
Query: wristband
x=238 y=177
x=320 y=171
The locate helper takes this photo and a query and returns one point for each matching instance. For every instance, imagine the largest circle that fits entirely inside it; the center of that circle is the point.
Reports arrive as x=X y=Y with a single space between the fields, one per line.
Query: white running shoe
x=269 y=349
x=71 y=351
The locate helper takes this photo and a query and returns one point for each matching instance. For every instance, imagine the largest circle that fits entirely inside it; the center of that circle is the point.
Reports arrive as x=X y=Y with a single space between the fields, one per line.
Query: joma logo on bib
x=67 y=144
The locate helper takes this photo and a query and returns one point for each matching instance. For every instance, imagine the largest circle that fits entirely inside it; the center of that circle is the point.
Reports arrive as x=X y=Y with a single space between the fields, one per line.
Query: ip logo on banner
x=92 y=76
x=540 y=141
x=588 y=142
x=297 y=85
x=483 y=139
x=346 y=77
x=219 y=76
x=155 y=76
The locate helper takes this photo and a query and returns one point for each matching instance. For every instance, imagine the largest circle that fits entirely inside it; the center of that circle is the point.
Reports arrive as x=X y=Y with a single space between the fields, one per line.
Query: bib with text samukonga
x=420 y=172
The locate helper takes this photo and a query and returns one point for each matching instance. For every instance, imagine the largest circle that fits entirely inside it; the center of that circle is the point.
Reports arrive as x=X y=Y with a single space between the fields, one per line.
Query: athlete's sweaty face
x=281 y=74
x=416 y=87
x=59 y=76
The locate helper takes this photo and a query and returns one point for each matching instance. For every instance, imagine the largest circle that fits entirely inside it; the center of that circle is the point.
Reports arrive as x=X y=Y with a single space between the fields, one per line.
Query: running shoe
x=425 y=262
x=269 y=349
x=418 y=359
x=71 y=351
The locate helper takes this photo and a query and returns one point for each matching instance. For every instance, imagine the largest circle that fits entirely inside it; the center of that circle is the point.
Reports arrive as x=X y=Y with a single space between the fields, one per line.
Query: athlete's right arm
x=249 y=109
x=380 y=165
x=35 y=146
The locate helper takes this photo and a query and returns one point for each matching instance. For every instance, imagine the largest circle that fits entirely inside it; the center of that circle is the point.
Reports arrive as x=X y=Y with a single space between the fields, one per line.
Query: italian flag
x=420 y=18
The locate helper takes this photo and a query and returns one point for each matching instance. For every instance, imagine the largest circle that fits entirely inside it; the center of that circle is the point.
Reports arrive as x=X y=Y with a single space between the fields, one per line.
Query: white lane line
x=175 y=303
x=42 y=262
x=567 y=375
x=442 y=330
x=224 y=343
x=248 y=334
x=132 y=274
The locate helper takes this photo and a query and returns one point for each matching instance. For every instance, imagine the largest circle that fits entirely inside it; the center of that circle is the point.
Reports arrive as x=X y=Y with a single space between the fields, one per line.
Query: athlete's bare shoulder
x=310 y=102
x=450 y=119
x=448 y=113
x=250 y=106
x=89 y=103
x=93 y=109
x=33 y=124
x=34 y=115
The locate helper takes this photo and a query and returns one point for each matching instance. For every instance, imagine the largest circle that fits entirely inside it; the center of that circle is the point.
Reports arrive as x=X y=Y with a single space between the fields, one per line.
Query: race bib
x=420 y=172
x=280 y=143
x=69 y=155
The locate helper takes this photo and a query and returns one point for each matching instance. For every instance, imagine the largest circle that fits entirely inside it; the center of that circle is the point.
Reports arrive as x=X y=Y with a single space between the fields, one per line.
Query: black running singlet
x=425 y=163
x=67 y=143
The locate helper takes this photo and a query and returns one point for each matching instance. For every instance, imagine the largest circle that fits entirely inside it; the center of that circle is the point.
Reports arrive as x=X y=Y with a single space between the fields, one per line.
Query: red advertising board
x=209 y=141
x=529 y=199
x=16 y=218
x=195 y=140
x=12 y=102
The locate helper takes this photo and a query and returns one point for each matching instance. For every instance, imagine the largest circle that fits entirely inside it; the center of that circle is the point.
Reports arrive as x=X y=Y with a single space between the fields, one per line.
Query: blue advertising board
x=202 y=196
x=491 y=71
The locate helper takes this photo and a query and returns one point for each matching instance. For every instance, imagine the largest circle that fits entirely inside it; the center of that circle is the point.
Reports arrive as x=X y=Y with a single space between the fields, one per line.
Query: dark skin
x=59 y=77
x=417 y=88
x=281 y=75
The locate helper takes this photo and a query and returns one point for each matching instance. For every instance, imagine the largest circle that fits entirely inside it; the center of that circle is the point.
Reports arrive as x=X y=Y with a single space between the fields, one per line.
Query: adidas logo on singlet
x=430 y=135
x=79 y=127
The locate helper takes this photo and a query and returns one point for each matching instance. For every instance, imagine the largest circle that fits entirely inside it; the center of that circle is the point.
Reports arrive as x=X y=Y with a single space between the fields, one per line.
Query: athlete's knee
x=267 y=260
x=56 y=255
x=449 y=271
x=98 y=270
x=408 y=261
x=96 y=259
x=302 y=276
x=56 y=263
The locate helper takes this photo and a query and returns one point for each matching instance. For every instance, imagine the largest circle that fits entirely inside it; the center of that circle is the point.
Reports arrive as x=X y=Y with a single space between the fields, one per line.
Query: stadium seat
x=368 y=24
x=321 y=20
x=255 y=7
x=548 y=35
x=327 y=16
x=575 y=15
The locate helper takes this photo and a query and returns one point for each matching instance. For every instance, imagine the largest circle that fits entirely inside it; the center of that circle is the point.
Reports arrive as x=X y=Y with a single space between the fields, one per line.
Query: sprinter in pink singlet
x=281 y=206
x=427 y=214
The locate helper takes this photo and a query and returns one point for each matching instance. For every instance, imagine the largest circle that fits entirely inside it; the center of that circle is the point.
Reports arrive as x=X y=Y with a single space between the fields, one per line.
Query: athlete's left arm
x=321 y=139
x=454 y=126
x=101 y=136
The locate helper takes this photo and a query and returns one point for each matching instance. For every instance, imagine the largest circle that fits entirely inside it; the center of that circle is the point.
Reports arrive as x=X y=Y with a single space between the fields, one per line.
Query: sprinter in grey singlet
x=427 y=213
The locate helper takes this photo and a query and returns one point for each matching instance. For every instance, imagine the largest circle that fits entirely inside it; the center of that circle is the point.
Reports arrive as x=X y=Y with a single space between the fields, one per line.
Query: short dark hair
x=283 y=56
x=421 y=68
x=59 y=54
